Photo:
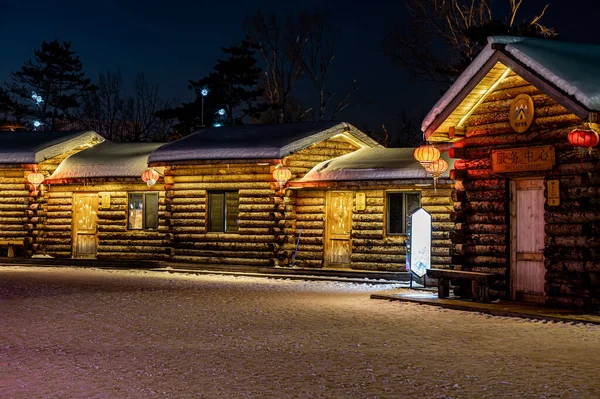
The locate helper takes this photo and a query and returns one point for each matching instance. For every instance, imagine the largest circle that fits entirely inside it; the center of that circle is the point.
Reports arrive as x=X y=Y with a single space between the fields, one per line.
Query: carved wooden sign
x=553 y=192
x=105 y=200
x=360 y=201
x=521 y=113
x=523 y=159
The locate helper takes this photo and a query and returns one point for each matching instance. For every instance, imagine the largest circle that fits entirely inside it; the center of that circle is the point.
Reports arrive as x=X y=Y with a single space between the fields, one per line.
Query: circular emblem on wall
x=521 y=113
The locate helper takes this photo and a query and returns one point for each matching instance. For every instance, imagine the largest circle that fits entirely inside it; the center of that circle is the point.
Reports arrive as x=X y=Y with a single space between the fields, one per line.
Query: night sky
x=175 y=41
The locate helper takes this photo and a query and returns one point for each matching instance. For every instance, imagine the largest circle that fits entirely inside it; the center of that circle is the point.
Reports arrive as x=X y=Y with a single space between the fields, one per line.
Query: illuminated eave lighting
x=483 y=97
x=350 y=139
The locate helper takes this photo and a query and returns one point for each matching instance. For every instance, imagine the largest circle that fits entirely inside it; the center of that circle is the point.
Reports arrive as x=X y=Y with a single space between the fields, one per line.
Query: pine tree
x=55 y=74
x=232 y=86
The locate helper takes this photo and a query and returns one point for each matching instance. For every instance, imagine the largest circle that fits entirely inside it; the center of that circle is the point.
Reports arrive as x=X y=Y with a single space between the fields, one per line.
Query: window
x=143 y=211
x=223 y=211
x=400 y=206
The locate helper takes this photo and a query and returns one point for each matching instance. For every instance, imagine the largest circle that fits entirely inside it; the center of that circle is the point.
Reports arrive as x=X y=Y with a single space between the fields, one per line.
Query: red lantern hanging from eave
x=426 y=155
x=150 y=177
x=583 y=139
x=436 y=169
x=281 y=174
x=35 y=178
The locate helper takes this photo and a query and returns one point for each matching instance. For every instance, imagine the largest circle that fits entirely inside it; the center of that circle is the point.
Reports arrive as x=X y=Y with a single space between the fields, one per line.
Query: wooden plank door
x=527 y=240
x=85 y=222
x=338 y=227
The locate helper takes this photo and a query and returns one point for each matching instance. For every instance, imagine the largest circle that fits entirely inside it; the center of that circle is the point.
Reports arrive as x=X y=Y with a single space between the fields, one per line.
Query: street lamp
x=203 y=93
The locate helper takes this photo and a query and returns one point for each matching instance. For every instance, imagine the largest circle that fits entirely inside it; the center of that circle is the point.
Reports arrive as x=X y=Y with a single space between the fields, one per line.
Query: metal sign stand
x=296 y=250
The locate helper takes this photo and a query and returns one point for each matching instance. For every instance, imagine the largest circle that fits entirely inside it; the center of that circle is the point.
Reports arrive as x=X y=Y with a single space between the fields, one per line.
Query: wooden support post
x=475 y=290
x=443 y=288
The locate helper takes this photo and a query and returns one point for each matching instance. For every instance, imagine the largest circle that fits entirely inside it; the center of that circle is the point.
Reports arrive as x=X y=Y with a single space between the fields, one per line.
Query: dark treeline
x=280 y=72
x=254 y=82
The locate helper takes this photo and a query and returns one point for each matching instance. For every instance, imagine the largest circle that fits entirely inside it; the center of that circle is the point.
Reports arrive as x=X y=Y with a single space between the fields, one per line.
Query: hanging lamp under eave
x=426 y=155
x=583 y=139
x=281 y=174
x=436 y=169
x=35 y=178
x=150 y=177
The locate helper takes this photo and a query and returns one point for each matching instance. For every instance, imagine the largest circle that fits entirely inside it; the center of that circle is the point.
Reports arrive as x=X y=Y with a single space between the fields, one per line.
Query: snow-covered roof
x=256 y=141
x=373 y=164
x=108 y=159
x=572 y=68
x=35 y=147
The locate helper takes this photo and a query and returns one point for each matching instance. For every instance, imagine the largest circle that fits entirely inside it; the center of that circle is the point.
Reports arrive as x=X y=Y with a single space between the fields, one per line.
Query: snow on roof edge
x=460 y=83
x=262 y=152
x=372 y=164
x=340 y=128
x=562 y=77
x=81 y=139
x=107 y=159
x=554 y=78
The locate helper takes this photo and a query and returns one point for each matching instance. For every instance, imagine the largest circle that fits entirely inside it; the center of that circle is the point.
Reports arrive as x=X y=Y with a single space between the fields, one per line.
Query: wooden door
x=338 y=227
x=85 y=221
x=527 y=241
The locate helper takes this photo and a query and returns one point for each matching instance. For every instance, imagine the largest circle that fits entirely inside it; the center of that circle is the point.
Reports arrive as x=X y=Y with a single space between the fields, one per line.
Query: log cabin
x=222 y=204
x=98 y=207
x=22 y=204
x=352 y=211
x=527 y=202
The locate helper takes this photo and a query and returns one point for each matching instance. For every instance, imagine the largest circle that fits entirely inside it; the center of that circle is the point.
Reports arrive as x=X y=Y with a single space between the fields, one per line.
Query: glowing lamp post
x=281 y=175
x=203 y=93
x=35 y=178
x=436 y=169
x=426 y=155
x=150 y=177
x=583 y=139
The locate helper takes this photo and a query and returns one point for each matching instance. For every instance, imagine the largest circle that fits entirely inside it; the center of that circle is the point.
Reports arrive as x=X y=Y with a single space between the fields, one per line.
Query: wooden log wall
x=267 y=222
x=310 y=214
x=21 y=205
x=372 y=248
x=303 y=161
x=572 y=251
x=115 y=241
x=187 y=190
x=15 y=203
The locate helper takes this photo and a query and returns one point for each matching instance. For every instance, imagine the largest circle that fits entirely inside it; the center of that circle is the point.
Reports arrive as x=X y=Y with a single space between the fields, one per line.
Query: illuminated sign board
x=523 y=159
x=420 y=242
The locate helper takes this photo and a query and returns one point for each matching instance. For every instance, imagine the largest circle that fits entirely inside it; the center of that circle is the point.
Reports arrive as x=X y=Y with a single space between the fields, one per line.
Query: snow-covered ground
x=73 y=333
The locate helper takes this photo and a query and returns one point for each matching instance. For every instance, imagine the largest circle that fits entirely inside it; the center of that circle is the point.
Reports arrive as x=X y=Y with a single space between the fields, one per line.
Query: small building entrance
x=527 y=276
x=338 y=228
x=85 y=223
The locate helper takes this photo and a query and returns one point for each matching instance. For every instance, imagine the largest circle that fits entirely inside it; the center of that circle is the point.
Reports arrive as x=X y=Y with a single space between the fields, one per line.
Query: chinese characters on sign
x=553 y=193
x=523 y=159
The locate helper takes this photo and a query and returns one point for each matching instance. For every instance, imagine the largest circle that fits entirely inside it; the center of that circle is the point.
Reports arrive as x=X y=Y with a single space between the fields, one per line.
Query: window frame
x=224 y=214
x=404 y=210
x=144 y=194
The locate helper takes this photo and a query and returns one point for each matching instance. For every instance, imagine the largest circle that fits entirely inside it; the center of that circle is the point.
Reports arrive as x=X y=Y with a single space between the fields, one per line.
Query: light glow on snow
x=81 y=333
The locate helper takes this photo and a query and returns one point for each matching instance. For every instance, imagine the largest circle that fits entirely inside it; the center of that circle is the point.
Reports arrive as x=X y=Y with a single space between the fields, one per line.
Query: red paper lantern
x=436 y=169
x=282 y=175
x=426 y=155
x=35 y=178
x=150 y=177
x=583 y=139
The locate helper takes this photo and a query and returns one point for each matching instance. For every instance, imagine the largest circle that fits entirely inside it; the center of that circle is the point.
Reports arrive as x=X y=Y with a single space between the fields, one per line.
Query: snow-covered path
x=72 y=333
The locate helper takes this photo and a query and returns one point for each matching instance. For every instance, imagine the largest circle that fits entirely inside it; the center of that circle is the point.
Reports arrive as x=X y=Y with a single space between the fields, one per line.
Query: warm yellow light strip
x=350 y=139
x=482 y=99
